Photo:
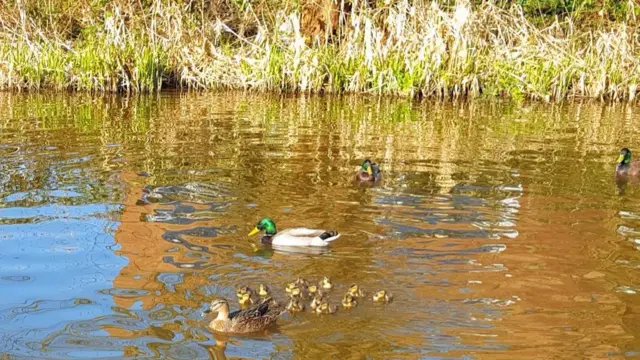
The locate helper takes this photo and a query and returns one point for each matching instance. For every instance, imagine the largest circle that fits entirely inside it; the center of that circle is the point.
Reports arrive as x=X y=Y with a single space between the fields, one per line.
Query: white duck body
x=301 y=237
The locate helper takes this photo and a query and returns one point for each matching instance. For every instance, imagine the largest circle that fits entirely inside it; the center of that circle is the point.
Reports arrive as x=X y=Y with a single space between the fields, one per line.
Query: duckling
x=325 y=308
x=263 y=290
x=244 y=290
x=295 y=305
x=316 y=301
x=245 y=299
x=312 y=289
x=349 y=301
x=382 y=296
x=295 y=292
x=290 y=286
x=326 y=283
x=301 y=282
x=355 y=291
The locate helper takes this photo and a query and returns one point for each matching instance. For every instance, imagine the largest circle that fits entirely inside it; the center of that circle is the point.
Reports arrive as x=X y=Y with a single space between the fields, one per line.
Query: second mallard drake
x=368 y=173
x=293 y=237
x=250 y=320
x=625 y=167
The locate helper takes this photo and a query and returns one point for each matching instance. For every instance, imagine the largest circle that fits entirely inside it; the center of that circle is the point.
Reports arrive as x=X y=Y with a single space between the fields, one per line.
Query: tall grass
x=407 y=48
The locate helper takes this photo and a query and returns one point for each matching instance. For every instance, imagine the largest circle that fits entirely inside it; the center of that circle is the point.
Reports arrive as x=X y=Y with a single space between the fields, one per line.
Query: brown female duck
x=250 y=320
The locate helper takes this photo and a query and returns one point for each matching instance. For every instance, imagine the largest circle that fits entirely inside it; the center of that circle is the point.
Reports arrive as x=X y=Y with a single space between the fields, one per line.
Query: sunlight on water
x=497 y=227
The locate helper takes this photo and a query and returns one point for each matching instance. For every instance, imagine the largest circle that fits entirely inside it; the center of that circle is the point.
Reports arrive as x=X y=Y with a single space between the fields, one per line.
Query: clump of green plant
x=401 y=47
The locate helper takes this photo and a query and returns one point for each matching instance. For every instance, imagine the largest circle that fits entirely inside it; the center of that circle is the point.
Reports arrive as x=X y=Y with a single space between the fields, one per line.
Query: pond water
x=497 y=227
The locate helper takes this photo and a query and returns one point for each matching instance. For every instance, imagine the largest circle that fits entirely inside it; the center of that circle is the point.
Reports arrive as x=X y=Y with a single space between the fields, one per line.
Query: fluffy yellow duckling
x=245 y=299
x=295 y=292
x=295 y=305
x=325 y=308
x=349 y=301
x=382 y=296
x=316 y=301
x=263 y=290
x=355 y=291
x=326 y=283
x=244 y=290
x=312 y=289
x=290 y=286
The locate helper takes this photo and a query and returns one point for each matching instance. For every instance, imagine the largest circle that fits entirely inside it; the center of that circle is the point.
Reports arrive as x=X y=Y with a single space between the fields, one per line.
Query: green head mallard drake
x=263 y=290
x=295 y=305
x=349 y=301
x=355 y=291
x=382 y=297
x=326 y=283
x=369 y=172
x=250 y=320
x=293 y=237
x=624 y=165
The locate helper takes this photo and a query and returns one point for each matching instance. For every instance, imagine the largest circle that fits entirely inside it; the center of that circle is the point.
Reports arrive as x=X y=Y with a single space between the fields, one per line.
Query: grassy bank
x=407 y=48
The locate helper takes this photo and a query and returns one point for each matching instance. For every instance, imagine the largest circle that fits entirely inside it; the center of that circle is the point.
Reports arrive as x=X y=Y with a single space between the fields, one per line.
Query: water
x=498 y=227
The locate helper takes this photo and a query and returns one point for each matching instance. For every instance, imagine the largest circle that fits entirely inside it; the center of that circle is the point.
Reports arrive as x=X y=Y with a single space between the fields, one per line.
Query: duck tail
x=329 y=235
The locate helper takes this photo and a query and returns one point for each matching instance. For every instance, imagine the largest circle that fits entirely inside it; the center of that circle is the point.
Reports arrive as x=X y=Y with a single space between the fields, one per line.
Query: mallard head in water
x=625 y=157
x=267 y=225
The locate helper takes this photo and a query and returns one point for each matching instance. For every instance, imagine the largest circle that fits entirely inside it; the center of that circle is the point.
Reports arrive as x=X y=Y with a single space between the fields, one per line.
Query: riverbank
x=414 y=50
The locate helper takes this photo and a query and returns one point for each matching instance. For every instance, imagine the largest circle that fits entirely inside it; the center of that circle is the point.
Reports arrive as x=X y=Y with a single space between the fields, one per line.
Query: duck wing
x=302 y=232
x=251 y=313
x=304 y=237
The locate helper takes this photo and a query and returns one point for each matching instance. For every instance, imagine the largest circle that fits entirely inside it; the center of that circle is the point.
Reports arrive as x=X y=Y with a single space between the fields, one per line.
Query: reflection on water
x=498 y=227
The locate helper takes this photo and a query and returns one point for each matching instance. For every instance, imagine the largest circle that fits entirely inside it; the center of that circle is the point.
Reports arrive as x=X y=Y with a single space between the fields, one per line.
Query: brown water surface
x=498 y=227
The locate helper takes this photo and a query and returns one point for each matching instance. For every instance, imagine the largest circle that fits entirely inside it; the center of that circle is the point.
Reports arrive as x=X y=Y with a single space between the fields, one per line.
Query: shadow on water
x=498 y=227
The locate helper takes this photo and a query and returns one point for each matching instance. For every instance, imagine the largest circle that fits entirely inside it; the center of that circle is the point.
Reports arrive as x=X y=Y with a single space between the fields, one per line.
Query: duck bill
x=206 y=312
x=620 y=159
x=254 y=231
x=369 y=170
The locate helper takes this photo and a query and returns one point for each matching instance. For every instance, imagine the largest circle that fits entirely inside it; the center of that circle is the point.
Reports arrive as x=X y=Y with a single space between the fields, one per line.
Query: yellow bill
x=254 y=231
x=620 y=158
x=369 y=170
